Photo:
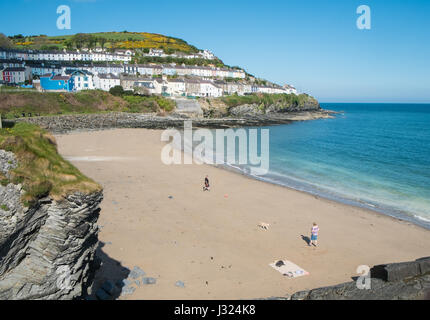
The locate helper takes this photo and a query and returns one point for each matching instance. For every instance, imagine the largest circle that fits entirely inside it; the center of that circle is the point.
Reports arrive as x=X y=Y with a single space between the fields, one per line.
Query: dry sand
x=212 y=242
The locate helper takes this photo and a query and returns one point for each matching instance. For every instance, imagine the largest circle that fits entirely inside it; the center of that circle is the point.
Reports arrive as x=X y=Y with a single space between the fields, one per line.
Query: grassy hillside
x=13 y=104
x=41 y=170
x=109 y=40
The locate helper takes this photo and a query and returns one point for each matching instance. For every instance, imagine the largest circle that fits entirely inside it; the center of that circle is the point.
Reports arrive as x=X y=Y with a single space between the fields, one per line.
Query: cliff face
x=46 y=248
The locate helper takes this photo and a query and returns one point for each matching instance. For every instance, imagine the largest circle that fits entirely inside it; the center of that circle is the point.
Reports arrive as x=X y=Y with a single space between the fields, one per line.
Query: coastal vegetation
x=32 y=103
x=40 y=169
x=108 y=40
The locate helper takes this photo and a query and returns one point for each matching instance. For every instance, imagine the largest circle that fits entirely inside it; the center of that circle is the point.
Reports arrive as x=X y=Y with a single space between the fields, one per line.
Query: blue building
x=52 y=82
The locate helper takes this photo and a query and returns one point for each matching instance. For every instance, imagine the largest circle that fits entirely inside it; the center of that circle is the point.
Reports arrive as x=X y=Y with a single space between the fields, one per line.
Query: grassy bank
x=14 y=104
x=41 y=170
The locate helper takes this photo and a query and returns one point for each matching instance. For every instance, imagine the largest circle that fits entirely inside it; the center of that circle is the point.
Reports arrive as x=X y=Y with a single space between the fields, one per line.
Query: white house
x=156 y=53
x=82 y=79
x=105 y=82
x=175 y=87
x=290 y=89
x=206 y=54
x=209 y=89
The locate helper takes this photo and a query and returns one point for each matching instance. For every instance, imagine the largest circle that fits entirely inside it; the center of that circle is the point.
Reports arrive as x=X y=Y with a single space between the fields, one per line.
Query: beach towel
x=288 y=269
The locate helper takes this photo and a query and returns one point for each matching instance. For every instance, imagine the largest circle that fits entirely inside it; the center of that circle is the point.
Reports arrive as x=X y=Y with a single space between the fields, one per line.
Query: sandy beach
x=210 y=240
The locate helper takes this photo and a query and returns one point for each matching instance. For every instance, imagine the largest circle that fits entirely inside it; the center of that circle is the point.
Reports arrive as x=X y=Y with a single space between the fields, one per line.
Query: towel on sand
x=289 y=269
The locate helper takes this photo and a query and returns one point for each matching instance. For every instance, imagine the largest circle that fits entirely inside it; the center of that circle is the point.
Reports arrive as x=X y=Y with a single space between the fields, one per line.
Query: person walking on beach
x=206 y=186
x=314 y=234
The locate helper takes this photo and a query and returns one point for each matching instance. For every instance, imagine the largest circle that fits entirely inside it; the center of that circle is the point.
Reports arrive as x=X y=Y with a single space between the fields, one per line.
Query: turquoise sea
x=371 y=155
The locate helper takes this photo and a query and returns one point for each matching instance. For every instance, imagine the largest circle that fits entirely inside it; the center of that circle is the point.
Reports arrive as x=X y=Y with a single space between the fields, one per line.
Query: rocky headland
x=48 y=219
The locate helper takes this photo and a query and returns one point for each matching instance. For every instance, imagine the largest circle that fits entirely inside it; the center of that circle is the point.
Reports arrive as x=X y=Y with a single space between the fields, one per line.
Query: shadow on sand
x=107 y=275
x=306 y=239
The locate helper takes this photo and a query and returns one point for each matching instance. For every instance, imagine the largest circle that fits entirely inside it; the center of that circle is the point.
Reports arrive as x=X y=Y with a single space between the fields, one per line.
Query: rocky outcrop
x=395 y=281
x=250 y=110
x=98 y=121
x=46 y=250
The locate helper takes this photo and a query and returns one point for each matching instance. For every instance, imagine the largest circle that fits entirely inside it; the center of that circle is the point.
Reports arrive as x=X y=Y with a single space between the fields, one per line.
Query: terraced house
x=15 y=75
x=105 y=81
x=82 y=79
x=98 y=69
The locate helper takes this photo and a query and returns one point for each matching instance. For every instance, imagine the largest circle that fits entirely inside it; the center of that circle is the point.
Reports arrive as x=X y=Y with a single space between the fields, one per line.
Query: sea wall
x=46 y=249
x=97 y=121
x=394 y=281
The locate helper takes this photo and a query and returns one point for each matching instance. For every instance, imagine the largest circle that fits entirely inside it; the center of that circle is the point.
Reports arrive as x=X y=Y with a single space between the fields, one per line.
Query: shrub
x=117 y=91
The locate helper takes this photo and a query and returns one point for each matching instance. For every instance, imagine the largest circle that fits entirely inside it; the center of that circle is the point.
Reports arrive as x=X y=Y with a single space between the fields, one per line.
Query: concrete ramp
x=189 y=107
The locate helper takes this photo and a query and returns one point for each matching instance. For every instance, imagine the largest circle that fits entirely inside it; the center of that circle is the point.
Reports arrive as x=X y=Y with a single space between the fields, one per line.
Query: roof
x=73 y=72
x=14 y=69
x=108 y=76
x=61 y=78
x=46 y=75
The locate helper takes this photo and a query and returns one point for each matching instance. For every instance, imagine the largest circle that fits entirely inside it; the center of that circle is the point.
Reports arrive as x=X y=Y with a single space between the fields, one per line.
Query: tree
x=69 y=44
x=102 y=42
x=81 y=39
x=117 y=91
x=5 y=42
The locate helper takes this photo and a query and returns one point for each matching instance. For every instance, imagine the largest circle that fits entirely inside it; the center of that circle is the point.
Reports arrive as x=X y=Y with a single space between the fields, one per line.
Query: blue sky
x=312 y=44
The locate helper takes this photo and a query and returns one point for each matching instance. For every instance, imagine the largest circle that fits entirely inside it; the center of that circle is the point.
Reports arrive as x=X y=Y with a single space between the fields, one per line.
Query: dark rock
x=379 y=272
x=403 y=270
x=67 y=123
x=396 y=281
x=149 y=280
x=380 y=290
x=424 y=265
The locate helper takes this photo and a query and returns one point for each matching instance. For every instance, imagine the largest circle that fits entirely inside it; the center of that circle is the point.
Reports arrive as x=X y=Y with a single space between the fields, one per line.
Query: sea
x=375 y=156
